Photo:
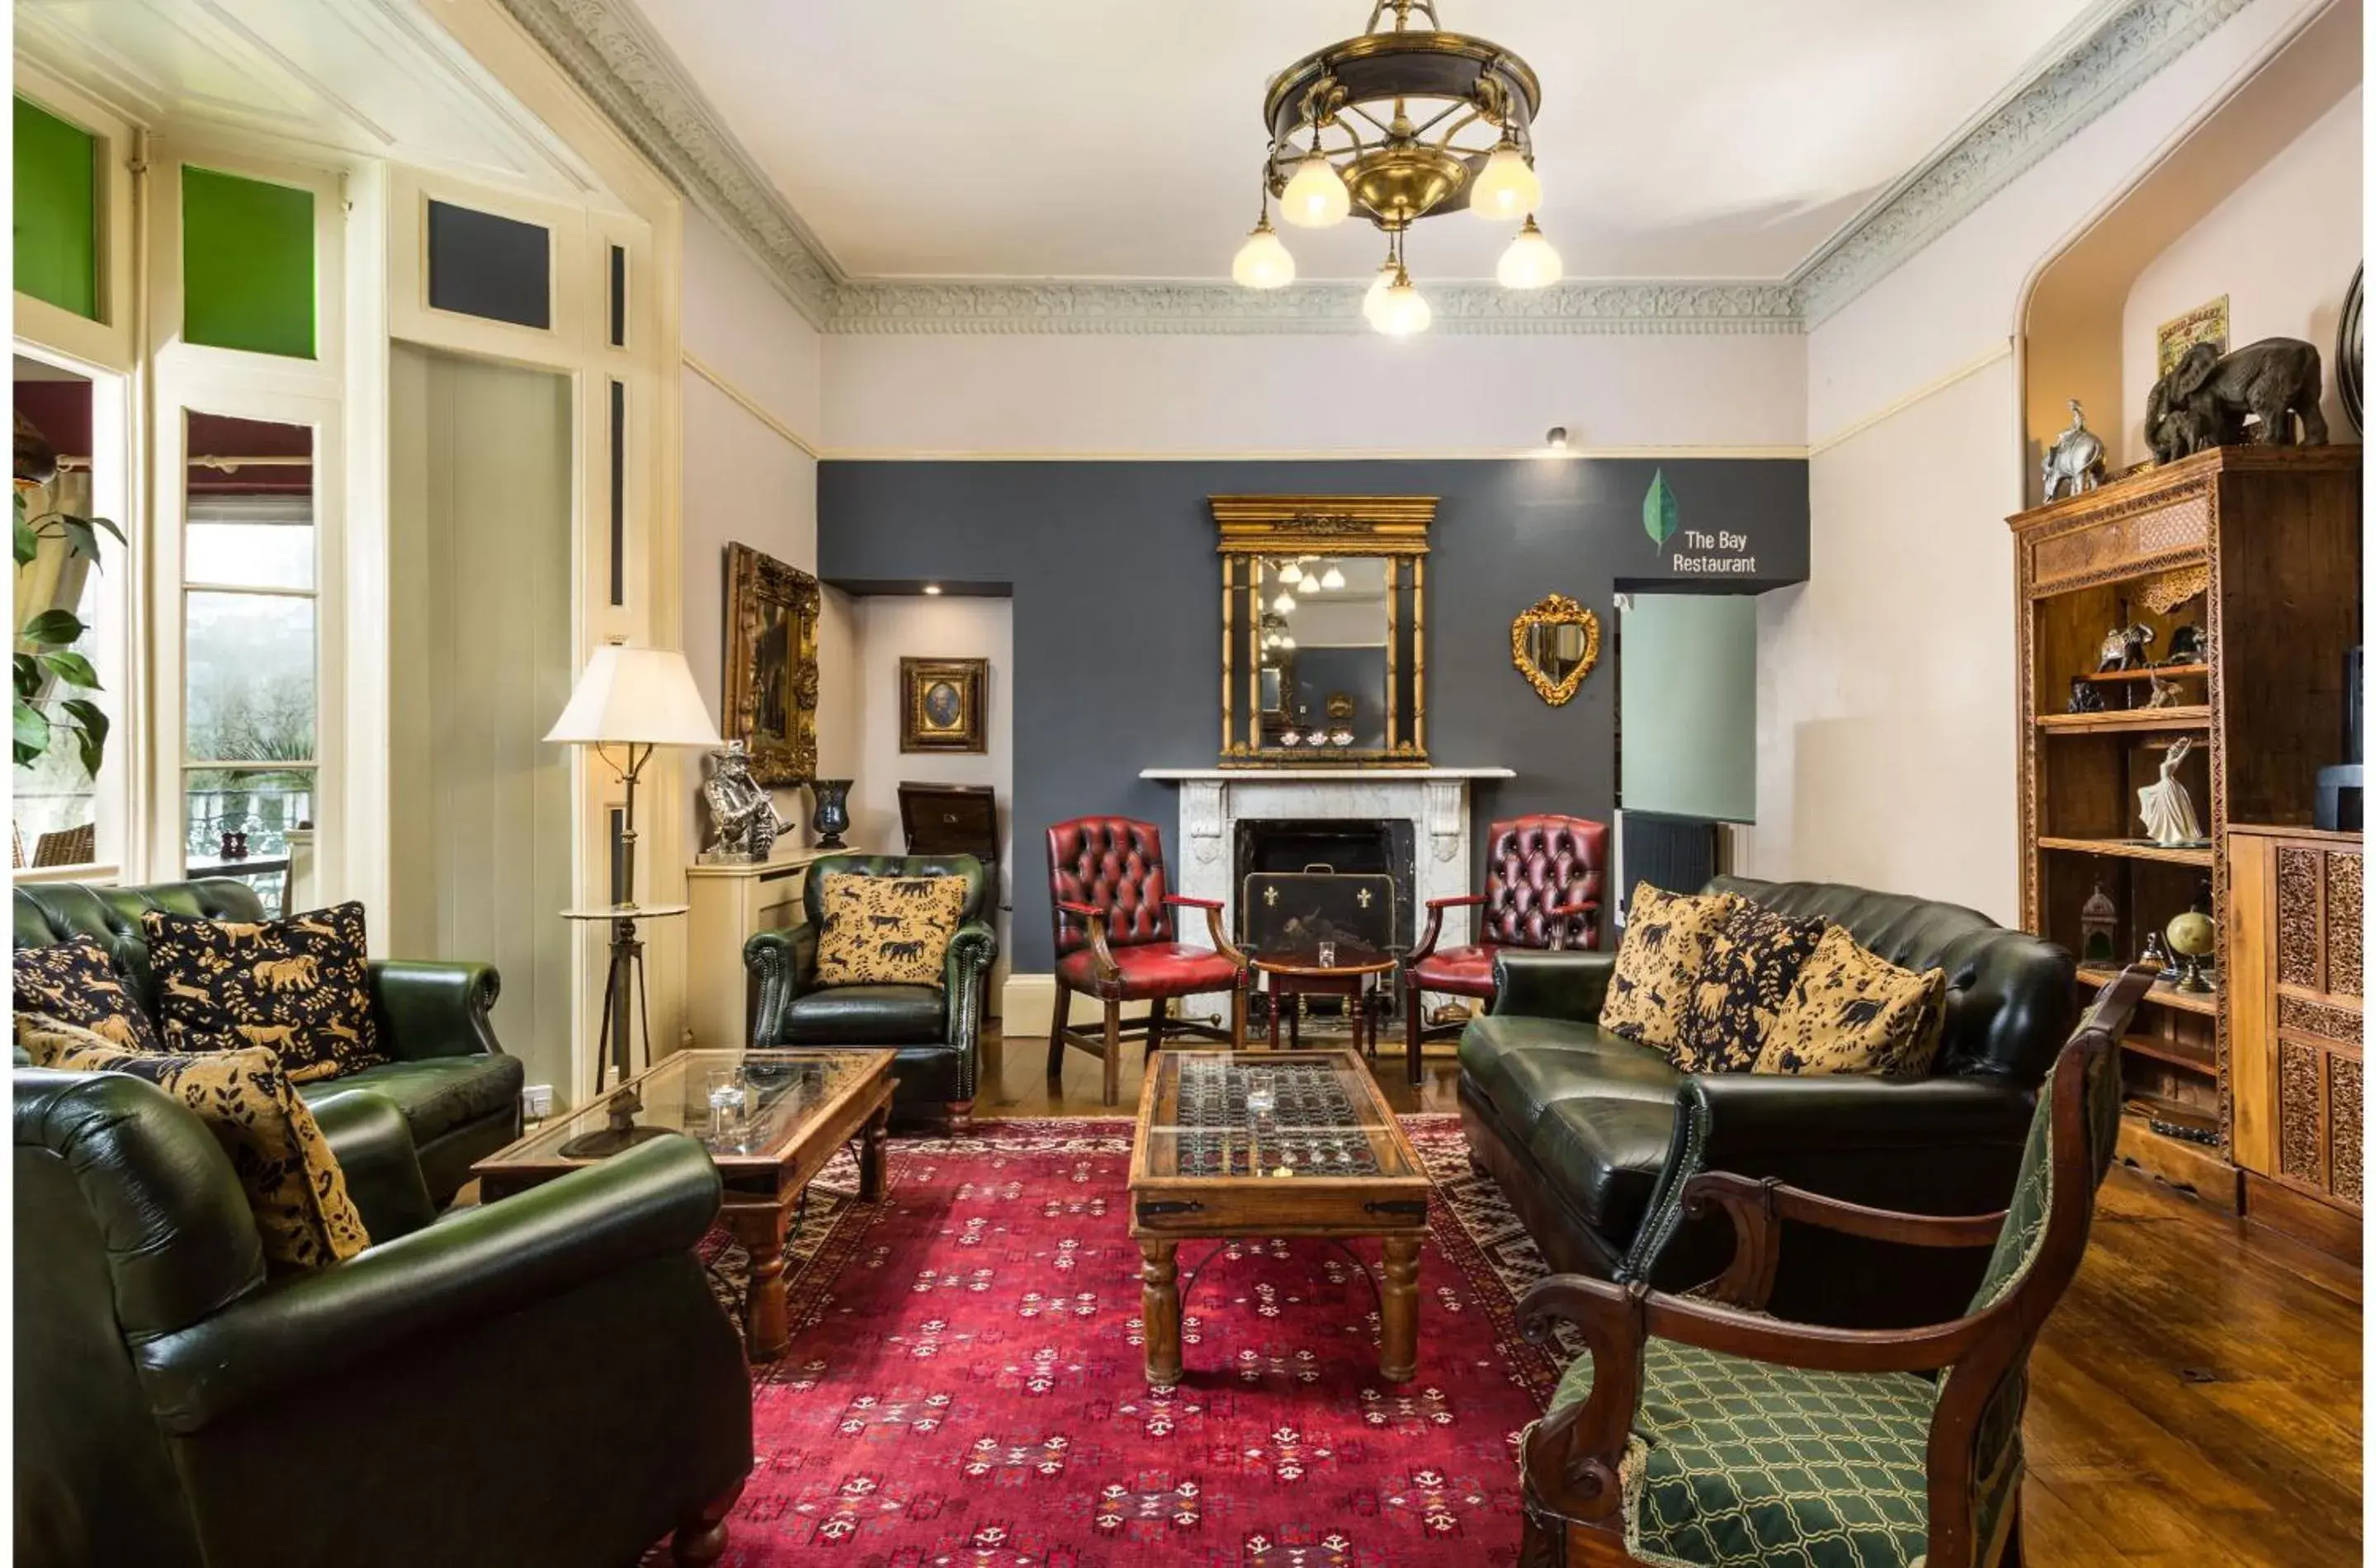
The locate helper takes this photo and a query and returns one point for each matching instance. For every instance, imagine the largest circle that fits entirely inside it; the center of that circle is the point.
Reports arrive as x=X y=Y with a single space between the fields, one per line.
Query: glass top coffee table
x=1273 y=1143
x=771 y=1120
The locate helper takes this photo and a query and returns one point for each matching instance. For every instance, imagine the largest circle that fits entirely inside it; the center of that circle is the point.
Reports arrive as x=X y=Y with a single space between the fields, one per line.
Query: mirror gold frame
x=1256 y=527
x=1554 y=609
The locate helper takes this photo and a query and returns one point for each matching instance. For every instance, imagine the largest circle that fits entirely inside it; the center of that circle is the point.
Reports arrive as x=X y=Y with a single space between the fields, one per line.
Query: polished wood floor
x=2194 y=1403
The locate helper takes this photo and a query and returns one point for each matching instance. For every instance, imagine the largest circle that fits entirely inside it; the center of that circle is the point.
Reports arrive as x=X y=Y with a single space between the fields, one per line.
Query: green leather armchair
x=542 y=1380
x=459 y=1093
x=937 y=1028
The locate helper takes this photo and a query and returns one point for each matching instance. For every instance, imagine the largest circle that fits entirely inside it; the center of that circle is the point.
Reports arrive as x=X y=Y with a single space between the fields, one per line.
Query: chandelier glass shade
x=1262 y=262
x=1395 y=124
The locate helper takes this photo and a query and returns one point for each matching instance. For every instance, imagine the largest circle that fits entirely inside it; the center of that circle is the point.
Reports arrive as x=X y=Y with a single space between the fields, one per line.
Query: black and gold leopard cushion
x=887 y=930
x=1665 y=945
x=300 y=986
x=1856 y=1012
x=285 y=1167
x=75 y=981
x=1754 y=959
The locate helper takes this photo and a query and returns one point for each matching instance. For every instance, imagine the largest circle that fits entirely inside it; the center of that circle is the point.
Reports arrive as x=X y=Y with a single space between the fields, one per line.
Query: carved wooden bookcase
x=2295 y=994
x=2258 y=548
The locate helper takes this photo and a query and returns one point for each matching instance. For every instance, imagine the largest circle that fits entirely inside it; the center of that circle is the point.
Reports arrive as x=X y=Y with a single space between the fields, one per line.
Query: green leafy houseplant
x=44 y=647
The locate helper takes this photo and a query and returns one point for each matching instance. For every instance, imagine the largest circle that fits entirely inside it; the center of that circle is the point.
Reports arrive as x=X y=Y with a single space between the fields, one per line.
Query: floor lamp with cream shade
x=629 y=703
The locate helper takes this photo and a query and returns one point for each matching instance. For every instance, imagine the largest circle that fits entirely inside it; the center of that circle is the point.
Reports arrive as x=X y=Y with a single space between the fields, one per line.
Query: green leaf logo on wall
x=1659 y=512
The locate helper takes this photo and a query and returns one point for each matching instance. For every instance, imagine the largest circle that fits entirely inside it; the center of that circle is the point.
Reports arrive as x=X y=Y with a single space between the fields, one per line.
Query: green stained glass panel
x=55 y=211
x=247 y=264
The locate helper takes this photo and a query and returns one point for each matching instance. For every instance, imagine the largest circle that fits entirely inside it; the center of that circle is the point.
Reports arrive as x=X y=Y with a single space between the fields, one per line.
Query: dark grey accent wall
x=1117 y=608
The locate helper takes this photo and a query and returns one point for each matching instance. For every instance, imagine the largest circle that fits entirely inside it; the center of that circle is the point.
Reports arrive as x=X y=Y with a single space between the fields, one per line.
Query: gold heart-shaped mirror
x=1555 y=644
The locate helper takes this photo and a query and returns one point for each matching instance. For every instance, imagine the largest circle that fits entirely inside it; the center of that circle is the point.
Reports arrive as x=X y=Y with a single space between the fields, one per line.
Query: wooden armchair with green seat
x=1696 y=1431
x=459 y=1093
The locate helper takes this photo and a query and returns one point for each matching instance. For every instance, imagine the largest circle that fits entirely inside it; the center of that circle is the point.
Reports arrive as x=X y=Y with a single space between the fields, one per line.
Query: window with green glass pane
x=247 y=264
x=56 y=210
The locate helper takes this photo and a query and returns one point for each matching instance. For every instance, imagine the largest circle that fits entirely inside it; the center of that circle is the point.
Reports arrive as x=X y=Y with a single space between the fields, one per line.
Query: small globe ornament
x=2194 y=938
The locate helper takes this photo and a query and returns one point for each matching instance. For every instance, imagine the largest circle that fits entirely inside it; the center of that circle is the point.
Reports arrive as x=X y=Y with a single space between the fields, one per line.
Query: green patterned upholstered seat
x=1738 y=1463
x=1743 y=1463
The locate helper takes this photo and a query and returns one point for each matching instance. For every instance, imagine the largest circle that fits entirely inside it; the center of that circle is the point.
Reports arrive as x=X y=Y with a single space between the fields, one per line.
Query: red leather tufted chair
x=1113 y=909
x=1543 y=879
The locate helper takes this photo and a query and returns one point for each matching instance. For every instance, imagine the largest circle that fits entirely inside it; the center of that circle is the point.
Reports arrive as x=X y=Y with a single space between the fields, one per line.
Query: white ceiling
x=1121 y=138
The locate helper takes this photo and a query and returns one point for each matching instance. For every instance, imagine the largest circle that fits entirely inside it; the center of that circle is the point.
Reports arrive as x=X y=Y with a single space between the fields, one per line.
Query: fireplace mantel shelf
x=1347 y=773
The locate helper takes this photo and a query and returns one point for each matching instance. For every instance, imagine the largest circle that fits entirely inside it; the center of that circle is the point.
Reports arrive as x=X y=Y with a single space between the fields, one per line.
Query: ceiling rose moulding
x=1222 y=308
x=2062 y=99
x=611 y=54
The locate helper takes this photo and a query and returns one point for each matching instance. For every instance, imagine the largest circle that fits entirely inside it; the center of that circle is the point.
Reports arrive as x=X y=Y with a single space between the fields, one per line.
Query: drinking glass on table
x=1262 y=1091
x=727 y=1095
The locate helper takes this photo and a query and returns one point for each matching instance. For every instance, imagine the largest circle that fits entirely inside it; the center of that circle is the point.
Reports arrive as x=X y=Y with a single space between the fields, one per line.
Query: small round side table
x=1298 y=971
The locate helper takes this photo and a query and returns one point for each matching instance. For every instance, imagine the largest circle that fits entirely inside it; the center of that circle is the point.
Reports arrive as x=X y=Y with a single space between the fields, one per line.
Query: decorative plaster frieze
x=988 y=307
x=608 y=48
x=2055 y=105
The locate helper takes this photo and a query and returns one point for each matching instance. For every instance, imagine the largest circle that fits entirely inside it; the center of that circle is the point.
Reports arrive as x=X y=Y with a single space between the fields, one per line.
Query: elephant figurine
x=2074 y=464
x=2125 y=648
x=2205 y=399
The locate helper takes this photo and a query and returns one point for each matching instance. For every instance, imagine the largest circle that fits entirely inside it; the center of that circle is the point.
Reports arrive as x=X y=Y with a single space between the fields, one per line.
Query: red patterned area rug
x=963 y=1385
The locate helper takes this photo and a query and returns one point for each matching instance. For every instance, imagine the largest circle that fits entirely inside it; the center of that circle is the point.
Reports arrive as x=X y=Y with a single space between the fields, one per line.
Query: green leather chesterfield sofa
x=459 y=1093
x=1593 y=1136
x=936 y=1028
x=544 y=1381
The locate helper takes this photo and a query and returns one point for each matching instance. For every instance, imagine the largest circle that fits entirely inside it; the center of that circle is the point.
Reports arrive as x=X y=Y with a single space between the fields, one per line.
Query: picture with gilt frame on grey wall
x=940 y=705
x=771 y=665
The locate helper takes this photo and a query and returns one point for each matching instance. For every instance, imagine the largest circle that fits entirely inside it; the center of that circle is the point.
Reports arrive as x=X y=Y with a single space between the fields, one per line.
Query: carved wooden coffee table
x=796 y=1111
x=1324 y=1158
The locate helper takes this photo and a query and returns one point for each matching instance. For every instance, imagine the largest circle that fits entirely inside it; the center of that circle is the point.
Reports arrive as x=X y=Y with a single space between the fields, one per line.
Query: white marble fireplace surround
x=1434 y=801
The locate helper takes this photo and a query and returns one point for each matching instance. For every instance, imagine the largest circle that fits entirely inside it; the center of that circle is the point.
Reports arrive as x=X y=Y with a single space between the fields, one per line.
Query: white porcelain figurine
x=2168 y=815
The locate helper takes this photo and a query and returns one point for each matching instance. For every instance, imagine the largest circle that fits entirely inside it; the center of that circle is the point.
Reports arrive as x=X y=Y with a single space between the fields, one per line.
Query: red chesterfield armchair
x=1113 y=909
x=1543 y=880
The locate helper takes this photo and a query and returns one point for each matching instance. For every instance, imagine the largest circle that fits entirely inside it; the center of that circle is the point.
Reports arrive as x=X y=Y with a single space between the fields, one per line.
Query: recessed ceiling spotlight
x=933 y=588
x=1556 y=438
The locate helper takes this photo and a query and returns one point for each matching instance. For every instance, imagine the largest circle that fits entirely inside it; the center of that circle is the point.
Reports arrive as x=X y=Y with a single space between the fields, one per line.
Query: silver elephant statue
x=2074 y=464
x=2204 y=400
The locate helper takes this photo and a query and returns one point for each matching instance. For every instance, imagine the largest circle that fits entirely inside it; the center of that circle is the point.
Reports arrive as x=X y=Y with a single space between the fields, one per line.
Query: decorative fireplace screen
x=1296 y=909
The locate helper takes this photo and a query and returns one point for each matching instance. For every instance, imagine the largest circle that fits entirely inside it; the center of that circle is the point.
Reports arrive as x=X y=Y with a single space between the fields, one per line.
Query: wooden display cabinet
x=2259 y=548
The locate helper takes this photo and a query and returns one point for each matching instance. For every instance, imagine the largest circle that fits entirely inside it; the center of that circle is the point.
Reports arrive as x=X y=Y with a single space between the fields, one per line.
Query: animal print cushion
x=76 y=982
x=292 y=1181
x=1665 y=942
x=1754 y=960
x=1853 y=1012
x=887 y=930
x=300 y=986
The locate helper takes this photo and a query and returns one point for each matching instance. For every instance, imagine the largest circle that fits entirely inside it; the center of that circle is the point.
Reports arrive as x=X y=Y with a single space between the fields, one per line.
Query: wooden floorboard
x=2194 y=1403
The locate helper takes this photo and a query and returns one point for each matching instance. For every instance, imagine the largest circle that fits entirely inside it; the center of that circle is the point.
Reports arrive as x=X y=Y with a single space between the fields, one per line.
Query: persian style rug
x=965 y=1385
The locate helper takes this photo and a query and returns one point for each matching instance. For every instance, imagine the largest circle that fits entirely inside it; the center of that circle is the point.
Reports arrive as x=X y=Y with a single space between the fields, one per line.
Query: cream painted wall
x=1886 y=697
x=2281 y=248
x=481 y=659
x=892 y=627
x=752 y=397
x=1188 y=396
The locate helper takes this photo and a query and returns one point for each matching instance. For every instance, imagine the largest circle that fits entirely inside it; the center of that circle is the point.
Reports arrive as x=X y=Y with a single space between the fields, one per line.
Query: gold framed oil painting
x=771 y=665
x=940 y=704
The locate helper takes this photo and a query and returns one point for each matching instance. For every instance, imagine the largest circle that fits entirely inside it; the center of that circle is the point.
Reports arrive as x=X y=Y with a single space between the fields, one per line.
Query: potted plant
x=55 y=551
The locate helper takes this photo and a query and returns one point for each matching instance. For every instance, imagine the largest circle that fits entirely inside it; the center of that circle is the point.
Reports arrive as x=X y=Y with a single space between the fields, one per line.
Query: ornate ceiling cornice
x=1304 y=308
x=2051 y=108
x=613 y=53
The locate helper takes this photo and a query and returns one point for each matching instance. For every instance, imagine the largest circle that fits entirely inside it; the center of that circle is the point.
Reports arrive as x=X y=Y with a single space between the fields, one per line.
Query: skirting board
x=1028 y=1005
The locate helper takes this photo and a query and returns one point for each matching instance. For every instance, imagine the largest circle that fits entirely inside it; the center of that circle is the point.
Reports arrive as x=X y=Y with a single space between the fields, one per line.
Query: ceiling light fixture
x=1332 y=578
x=1401 y=123
x=1284 y=603
x=933 y=588
x=1291 y=573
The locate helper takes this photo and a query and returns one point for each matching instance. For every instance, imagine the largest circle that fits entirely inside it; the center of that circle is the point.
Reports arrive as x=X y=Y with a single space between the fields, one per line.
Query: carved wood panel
x=2297 y=1114
x=2166 y=526
x=2298 y=943
x=2343 y=1116
x=2343 y=926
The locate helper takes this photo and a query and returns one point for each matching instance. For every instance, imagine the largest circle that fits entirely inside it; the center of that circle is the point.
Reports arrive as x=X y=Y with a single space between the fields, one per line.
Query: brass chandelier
x=1402 y=124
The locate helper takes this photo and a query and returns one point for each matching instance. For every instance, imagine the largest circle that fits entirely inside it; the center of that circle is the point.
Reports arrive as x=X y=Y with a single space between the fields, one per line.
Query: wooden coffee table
x=1327 y=1160
x=799 y=1108
x=1298 y=971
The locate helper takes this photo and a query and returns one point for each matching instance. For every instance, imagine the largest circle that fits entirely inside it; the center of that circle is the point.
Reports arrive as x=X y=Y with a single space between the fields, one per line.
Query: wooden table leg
x=874 y=1156
x=767 y=1320
x=1278 y=999
x=1398 y=1305
x=1158 y=1308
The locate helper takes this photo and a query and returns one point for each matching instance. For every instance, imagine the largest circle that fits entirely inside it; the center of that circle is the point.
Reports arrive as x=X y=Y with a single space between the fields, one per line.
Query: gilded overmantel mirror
x=1322 y=630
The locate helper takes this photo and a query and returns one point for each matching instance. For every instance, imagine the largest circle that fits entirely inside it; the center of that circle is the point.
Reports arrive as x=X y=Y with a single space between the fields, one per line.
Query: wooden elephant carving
x=2204 y=400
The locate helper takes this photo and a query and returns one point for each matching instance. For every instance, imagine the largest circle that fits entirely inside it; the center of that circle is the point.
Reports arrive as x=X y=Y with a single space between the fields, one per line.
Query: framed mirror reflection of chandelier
x=1324 y=630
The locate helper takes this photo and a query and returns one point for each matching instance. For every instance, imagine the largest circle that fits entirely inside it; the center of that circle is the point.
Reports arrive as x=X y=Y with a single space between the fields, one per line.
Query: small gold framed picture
x=941 y=703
